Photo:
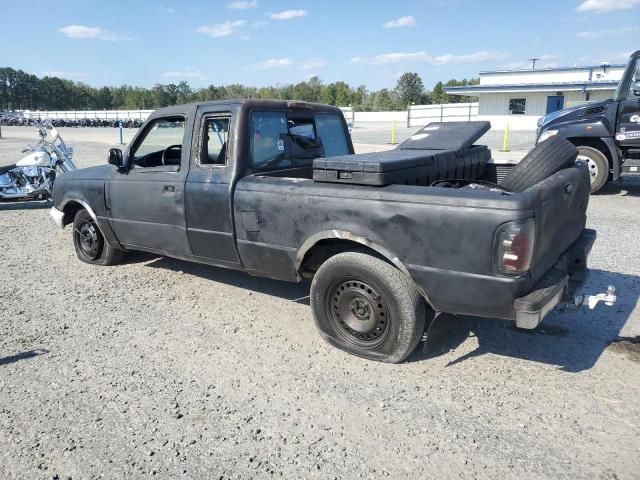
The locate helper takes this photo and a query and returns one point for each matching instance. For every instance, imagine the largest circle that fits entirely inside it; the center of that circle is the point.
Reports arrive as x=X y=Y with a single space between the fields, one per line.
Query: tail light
x=513 y=246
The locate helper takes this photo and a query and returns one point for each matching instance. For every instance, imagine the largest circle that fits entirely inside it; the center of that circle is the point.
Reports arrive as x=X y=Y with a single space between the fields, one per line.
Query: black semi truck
x=607 y=134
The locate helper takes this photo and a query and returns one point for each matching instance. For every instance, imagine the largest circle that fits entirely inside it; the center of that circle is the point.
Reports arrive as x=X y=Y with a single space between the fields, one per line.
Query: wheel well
x=70 y=210
x=593 y=143
x=327 y=248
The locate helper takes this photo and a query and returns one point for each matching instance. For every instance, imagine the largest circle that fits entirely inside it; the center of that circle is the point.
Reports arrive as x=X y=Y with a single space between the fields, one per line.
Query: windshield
x=286 y=139
x=626 y=84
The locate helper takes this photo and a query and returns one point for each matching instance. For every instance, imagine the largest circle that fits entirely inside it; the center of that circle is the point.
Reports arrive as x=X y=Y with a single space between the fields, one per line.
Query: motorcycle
x=33 y=175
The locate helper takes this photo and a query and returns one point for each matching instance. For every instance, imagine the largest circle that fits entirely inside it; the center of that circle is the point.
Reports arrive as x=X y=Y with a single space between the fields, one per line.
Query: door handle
x=169 y=188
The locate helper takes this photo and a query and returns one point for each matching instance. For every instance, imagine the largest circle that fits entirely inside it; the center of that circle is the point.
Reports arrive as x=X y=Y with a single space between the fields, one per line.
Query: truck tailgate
x=560 y=206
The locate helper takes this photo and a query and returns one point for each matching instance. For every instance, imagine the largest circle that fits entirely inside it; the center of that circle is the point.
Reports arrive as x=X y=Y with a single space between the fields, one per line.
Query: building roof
x=556 y=69
x=533 y=87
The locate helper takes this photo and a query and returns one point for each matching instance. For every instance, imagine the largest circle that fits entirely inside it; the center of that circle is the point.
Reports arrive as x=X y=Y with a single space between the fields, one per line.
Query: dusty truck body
x=270 y=187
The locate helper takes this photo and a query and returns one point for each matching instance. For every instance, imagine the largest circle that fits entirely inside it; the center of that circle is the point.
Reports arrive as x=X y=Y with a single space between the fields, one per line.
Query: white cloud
x=273 y=63
x=287 y=14
x=188 y=73
x=259 y=23
x=222 y=29
x=603 y=6
x=476 y=57
x=311 y=64
x=82 y=31
x=424 y=57
x=408 y=21
x=169 y=10
x=607 y=33
x=392 y=58
x=243 y=5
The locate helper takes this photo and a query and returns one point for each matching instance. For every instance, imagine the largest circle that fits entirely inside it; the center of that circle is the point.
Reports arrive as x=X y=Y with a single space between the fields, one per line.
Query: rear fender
x=312 y=241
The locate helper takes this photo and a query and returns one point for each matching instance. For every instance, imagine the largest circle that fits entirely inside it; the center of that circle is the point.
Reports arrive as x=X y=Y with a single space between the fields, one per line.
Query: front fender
x=90 y=196
x=583 y=128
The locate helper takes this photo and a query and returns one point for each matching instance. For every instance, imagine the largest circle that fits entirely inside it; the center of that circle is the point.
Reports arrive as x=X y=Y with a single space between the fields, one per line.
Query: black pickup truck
x=607 y=134
x=389 y=239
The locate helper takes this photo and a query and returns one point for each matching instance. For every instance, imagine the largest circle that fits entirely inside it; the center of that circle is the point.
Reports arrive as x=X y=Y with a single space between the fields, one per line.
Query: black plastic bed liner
x=439 y=151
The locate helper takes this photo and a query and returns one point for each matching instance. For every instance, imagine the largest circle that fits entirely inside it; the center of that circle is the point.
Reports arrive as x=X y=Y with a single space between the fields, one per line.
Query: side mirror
x=115 y=157
x=636 y=89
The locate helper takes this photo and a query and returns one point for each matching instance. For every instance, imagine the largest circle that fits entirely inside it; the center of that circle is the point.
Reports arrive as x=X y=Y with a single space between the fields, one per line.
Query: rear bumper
x=563 y=281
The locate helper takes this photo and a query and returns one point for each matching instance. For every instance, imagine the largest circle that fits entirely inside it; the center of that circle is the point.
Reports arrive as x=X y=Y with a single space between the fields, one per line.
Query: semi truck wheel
x=89 y=243
x=544 y=160
x=367 y=307
x=597 y=164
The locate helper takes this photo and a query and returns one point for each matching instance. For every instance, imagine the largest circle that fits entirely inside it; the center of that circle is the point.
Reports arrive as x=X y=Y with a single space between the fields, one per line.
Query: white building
x=520 y=97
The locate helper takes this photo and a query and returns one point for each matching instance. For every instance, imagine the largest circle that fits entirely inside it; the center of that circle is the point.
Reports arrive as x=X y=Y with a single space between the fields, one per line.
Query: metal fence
x=81 y=114
x=420 y=115
x=349 y=115
x=348 y=112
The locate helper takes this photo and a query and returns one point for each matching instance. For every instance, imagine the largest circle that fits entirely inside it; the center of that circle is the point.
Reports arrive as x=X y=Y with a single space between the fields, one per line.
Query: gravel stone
x=162 y=368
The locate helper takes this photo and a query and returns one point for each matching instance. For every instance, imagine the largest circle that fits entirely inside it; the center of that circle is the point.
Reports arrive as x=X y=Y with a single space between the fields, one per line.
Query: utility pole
x=533 y=63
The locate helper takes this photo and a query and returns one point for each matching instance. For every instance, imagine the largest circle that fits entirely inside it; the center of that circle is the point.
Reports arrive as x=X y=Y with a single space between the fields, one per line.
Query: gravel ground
x=169 y=369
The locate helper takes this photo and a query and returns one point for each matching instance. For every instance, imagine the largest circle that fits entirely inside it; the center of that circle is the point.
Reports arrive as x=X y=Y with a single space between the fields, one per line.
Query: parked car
x=607 y=134
x=388 y=239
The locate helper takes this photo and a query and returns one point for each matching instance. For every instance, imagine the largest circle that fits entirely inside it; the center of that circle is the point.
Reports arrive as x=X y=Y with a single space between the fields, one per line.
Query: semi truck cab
x=607 y=134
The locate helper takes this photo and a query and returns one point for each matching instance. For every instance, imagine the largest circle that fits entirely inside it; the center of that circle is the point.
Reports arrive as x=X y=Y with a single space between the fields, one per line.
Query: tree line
x=23 y=91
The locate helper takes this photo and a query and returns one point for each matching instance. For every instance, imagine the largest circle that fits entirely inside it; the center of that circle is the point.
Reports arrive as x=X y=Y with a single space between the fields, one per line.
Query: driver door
x=145 y=201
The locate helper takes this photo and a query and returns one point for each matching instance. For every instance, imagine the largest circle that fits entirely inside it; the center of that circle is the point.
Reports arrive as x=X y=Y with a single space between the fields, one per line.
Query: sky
x=269 y=42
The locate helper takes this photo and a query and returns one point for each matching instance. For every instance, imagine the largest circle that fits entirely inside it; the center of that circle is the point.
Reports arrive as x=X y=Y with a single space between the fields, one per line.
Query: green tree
x=410 y=88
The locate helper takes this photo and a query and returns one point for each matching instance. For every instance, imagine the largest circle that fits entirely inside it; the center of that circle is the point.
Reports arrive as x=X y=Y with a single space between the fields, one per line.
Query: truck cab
x=606 y=134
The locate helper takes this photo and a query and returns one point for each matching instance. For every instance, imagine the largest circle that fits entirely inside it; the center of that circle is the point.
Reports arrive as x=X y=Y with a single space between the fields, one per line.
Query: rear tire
x=544 y=160
x=367 y=307
x=90 y=245
x=598 y=166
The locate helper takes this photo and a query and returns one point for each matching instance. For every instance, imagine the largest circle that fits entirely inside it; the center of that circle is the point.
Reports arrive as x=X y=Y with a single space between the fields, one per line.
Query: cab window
x=161 y=144
x=634 y=86
x=214 y=141
x=287 y=139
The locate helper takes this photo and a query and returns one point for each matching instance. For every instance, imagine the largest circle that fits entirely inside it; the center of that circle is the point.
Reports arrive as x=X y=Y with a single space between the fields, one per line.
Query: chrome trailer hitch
x=591 y=301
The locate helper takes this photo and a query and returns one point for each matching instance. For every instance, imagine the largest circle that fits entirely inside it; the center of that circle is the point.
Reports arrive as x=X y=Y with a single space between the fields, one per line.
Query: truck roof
x=248 y=104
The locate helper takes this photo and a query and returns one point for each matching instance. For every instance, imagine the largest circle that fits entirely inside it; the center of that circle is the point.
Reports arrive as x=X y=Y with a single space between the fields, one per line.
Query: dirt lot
x=175 y=370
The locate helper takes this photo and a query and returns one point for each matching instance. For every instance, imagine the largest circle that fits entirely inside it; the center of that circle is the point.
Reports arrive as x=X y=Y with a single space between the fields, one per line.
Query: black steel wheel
x=90 y=244
x=367 y=307
x=88 y=239
x=358 y=312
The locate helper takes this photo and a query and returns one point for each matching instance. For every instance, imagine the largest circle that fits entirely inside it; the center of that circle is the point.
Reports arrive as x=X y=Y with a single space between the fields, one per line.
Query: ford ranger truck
x=388 y=240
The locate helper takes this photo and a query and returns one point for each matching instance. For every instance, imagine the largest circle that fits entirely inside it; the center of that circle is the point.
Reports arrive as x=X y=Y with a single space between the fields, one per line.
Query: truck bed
x=436 y=234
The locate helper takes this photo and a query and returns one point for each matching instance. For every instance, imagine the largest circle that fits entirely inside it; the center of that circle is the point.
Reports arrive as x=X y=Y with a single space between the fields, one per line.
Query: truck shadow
x=295 y=292
x=630 y=187
x=572 y=340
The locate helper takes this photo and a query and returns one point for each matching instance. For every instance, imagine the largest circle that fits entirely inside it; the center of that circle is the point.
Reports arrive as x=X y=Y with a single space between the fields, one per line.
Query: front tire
x=90 y=244
x=598 y=166
x=367 y=307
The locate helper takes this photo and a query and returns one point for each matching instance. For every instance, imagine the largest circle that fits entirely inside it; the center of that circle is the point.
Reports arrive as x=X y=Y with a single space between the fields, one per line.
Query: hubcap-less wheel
x=591 y=166
x=358 y=312
x=89 y=239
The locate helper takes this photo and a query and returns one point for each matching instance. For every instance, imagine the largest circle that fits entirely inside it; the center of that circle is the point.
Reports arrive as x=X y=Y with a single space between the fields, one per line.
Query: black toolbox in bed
x=439 y=151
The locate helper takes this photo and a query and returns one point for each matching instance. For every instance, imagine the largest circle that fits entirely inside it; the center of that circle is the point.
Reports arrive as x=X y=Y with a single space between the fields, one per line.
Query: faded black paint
x=262 y=222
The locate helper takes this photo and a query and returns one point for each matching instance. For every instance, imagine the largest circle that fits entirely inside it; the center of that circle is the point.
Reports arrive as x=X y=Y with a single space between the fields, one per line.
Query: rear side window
x=331 y=132
x=265 y=130
x=282 y=140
